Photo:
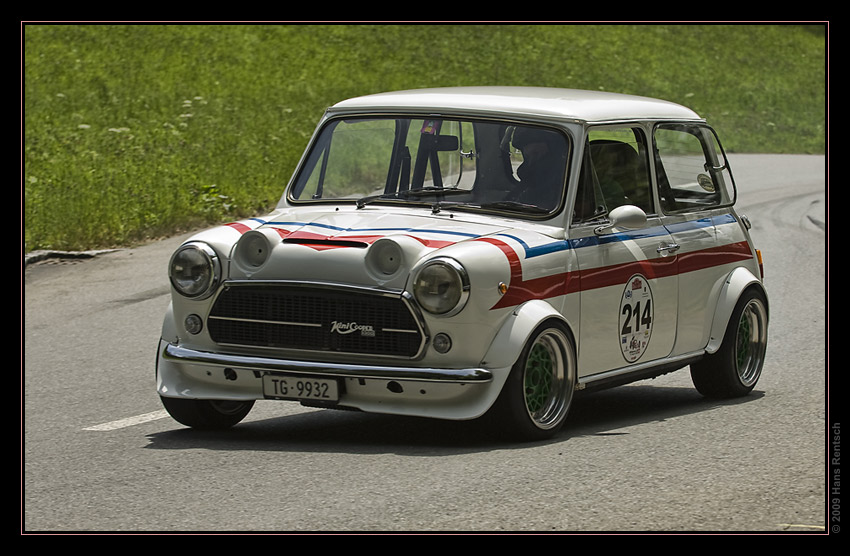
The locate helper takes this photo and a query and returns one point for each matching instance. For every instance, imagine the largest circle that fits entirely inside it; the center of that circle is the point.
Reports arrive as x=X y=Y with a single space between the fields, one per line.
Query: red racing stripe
x=605 y=276
x=239 y=227
x=520 y=290
x=715 y=256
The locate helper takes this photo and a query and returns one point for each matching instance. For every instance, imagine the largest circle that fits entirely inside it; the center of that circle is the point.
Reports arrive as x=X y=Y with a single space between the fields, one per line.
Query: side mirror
x=628 y=217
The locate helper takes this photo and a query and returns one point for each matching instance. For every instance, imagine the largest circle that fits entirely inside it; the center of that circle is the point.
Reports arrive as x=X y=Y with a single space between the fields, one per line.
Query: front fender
x=738 y=280
x=516 y=330
x=169 y=327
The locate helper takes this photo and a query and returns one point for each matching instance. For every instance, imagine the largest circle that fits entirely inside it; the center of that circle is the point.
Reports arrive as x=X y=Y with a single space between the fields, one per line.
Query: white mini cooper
x=462 y=252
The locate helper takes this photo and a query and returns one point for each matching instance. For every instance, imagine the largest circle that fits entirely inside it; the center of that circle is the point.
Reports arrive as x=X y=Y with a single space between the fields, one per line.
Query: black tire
x=206 y=414
x=536 y=398
x=733 y=370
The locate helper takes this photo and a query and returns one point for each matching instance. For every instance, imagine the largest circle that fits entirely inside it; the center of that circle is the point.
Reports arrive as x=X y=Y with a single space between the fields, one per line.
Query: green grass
x=138 y=131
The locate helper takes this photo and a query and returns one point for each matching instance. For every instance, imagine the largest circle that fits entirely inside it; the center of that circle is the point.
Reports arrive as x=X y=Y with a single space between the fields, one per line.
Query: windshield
x=463 y=164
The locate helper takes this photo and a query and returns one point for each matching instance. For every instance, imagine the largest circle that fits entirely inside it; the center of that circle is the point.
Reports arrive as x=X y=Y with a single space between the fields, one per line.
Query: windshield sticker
x=636 y=309
x=429 y=127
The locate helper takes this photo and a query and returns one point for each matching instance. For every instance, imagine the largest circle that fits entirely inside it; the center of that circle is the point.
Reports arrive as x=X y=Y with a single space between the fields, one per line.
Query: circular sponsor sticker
x=636 y=309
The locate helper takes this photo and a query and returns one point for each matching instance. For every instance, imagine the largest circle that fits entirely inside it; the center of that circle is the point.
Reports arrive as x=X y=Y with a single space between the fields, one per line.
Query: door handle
x=666 y=248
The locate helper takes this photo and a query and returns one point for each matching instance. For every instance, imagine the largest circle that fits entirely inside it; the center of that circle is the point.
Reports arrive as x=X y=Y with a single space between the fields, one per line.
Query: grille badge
x=351 y=327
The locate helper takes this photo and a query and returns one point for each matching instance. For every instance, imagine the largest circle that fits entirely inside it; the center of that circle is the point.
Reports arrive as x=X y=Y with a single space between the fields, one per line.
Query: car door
x=629 y=276
x=696 y=193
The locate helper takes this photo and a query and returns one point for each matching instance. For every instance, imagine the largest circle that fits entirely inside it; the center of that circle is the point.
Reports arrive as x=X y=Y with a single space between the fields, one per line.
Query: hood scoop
x=326 y=243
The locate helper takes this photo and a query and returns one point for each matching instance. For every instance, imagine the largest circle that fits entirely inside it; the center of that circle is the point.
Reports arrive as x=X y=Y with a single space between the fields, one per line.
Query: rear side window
x=691 y=168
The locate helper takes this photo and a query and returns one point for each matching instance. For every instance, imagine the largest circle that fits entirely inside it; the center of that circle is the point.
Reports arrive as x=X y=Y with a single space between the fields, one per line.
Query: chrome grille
x=297 y=317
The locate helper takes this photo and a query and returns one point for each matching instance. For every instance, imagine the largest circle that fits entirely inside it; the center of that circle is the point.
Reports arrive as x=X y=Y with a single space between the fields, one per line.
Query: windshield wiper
x=423 y=192
x=515 y=205
x=363 y=201
x=499 y=205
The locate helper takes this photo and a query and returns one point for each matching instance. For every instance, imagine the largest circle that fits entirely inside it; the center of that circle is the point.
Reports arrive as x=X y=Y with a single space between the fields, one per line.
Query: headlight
x=194 y=270
x=442 y=287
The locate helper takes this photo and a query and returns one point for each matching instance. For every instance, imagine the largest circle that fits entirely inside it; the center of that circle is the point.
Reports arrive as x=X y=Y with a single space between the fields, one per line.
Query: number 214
x=645 y=318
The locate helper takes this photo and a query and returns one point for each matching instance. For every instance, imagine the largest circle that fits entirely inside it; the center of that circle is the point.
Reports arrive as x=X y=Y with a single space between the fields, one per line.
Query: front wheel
x=736 y=367
x=536 y=398
x=206 y=414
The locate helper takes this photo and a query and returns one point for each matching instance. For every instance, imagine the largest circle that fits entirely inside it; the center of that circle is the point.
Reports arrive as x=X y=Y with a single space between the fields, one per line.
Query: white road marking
x=795 y=525
x=129 y=421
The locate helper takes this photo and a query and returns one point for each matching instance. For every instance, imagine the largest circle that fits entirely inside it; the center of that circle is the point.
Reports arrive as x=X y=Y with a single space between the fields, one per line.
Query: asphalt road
x=100 y=455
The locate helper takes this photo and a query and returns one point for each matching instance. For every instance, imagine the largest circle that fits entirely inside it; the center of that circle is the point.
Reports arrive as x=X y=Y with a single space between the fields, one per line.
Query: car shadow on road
x=601 y=413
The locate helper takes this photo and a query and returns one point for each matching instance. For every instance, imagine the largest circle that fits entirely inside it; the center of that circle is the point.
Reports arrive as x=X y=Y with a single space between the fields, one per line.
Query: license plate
x=291 y=387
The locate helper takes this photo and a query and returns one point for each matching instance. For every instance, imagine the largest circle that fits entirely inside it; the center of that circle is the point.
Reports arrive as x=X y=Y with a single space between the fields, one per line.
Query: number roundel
x=636 y=310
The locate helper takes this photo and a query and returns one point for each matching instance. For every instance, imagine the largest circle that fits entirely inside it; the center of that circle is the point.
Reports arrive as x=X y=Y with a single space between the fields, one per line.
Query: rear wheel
x=206 y=414
x=536 y=398
x=736 y=367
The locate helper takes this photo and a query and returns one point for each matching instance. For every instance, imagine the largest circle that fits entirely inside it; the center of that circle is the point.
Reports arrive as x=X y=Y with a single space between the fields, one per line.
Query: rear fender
x=736 y=283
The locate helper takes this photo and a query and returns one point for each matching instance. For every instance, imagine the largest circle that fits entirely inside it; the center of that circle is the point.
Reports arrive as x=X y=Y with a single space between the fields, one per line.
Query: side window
x=692 y=172
x=614 y=172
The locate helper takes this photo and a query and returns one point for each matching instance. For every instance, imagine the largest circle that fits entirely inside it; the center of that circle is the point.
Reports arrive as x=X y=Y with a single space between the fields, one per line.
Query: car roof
x=543 y=102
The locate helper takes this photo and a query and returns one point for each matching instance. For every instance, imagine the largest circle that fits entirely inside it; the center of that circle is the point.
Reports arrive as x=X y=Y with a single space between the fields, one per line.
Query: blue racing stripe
x=341 y=229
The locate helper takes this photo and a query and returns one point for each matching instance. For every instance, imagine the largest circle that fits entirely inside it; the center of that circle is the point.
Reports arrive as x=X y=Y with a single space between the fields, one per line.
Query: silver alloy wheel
x=751 y=342
x=548 y=379
x=736 y=366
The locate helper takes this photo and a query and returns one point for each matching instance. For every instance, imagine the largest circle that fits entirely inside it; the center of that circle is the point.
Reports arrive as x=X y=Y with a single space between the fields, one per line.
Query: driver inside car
x=541 y=173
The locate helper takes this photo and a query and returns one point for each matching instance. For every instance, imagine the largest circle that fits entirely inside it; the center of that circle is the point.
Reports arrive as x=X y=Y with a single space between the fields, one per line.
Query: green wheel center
x=538 y=378
x=744 y=335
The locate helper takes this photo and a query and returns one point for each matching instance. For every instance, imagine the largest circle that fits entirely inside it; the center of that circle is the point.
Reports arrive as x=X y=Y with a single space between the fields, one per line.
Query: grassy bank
x=136 y=131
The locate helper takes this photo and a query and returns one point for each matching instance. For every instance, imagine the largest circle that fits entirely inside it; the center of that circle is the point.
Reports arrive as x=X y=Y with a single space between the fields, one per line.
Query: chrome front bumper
x=178 y=354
